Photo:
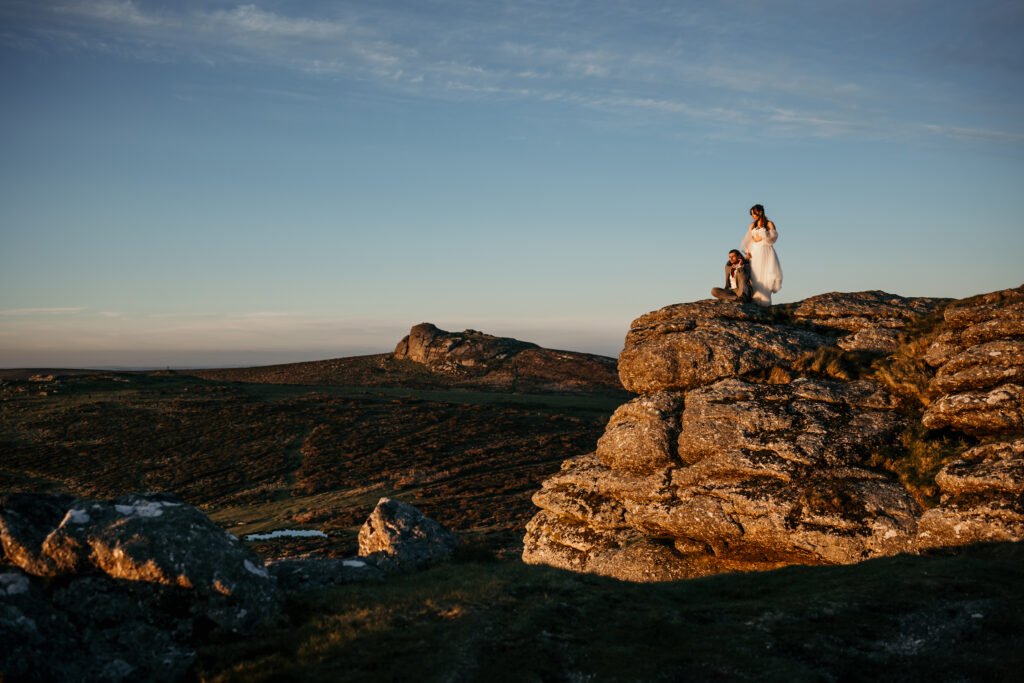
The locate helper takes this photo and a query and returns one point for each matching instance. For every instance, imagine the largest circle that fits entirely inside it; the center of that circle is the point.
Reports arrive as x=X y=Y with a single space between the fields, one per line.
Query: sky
x=240 y=183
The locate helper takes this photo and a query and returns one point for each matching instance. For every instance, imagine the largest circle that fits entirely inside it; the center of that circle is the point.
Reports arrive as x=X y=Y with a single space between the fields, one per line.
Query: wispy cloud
x=123 y=12
x=560 y=61
x=772 y=79
x=817 y=125
x=251 y=19
x=706 y=67
x=974 y=134
x=61 y=310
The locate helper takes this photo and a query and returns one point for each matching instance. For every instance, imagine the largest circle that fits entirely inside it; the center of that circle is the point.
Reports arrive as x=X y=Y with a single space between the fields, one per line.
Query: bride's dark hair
x=761 y=218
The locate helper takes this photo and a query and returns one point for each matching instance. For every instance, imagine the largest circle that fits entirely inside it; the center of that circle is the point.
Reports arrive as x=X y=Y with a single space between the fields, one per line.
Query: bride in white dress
x=765 y=270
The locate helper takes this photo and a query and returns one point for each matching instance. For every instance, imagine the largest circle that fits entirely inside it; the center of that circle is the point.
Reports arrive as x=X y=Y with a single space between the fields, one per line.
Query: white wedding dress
x=765 y=269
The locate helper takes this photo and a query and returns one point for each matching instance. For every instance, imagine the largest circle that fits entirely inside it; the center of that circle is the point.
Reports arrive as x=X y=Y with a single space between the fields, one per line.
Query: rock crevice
x=722 y=463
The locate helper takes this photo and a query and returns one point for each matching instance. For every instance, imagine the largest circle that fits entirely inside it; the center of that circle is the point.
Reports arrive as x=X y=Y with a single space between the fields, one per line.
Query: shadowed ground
x=944 y=617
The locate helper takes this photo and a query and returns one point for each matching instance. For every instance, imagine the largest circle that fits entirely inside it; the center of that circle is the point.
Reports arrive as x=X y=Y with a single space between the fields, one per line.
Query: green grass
x=943 y=617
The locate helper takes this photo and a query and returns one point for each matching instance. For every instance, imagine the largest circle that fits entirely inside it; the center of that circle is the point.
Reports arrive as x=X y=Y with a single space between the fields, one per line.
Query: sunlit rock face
x=398 y=537
x=144 y=575
x=759 y=476
x=685 y=346
x=641 y=434
x=723 y=463
x=978 y=389
x=474 y=359
x=456 y=352
x=978 y=386
x=982 y=498
x=876 y=320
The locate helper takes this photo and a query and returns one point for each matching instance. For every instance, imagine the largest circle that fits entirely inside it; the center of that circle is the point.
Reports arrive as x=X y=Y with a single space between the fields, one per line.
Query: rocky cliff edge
x=840 y=428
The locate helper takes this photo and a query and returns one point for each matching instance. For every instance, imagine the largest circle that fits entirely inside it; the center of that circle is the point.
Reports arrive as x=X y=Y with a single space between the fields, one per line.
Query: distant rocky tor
x=844 y=427
x=429 y=357
x=474 y=359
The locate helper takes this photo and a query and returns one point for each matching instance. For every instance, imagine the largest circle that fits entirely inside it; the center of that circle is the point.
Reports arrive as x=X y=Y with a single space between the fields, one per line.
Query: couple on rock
x=753 y=273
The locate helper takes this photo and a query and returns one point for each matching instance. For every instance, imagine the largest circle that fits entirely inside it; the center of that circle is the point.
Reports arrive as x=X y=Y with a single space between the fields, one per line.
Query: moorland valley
x=874 y=432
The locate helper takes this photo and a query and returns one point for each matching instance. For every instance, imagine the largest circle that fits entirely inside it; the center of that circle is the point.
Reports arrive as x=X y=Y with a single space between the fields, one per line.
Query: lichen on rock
x=738 y=455
x=982 y=498
x=142 y=575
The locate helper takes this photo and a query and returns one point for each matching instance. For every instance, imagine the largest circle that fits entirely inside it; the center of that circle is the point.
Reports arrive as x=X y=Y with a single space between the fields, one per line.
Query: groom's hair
x=737 y=252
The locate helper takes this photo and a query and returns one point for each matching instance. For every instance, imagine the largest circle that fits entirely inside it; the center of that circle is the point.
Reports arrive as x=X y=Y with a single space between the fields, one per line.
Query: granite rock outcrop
x=978 y=386
x=685 y=346
x=398 y=537
x=473 y=359
x=128 y=589
x=122 y=589
x=467 y=352
x=978 y=389
x=874 y=321
x=432 y=358
x=736 y=456
x=982 y=498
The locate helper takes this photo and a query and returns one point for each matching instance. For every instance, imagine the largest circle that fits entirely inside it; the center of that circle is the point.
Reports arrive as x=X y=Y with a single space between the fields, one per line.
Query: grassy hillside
x=258 y=457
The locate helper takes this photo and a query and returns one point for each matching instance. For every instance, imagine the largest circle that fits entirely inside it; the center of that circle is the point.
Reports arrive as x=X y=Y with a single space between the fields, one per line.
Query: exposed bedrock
x=688 y=345
x=475 y=359
x=978 y=389
x=982 y=498
x=978 y=386
x=683 y=346
x=714 y=467
x=398 y=537
x=128 y=589
x=759 y=475
x=120 y=590
x=456 y=352
x=876 y=320
x=641 y=434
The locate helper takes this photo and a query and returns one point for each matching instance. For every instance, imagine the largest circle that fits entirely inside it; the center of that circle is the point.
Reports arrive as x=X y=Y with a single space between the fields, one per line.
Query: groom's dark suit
x=739 y=289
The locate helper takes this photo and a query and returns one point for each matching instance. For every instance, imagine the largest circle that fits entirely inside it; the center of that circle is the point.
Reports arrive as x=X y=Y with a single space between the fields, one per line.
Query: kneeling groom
x=737 y=280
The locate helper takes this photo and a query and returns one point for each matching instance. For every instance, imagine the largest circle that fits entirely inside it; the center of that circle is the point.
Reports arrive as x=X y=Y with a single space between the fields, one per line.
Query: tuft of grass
x=904 y=373
x=833 y=362
x=919 y=454
x=780 y=375
x=918 y=457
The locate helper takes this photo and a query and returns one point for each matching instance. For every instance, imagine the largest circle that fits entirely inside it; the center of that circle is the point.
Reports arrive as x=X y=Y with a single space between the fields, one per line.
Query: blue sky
x=224 y=183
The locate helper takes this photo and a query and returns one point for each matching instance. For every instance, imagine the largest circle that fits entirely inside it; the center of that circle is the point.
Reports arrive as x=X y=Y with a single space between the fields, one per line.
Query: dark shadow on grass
x=951 y=615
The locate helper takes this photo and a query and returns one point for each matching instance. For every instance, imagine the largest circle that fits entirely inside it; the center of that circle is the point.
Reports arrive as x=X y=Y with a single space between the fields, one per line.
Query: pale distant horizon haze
x=217 y=183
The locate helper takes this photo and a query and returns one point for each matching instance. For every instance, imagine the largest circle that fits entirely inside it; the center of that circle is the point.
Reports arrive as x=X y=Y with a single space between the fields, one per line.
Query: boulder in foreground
x=398 y=537
x=120 y=590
